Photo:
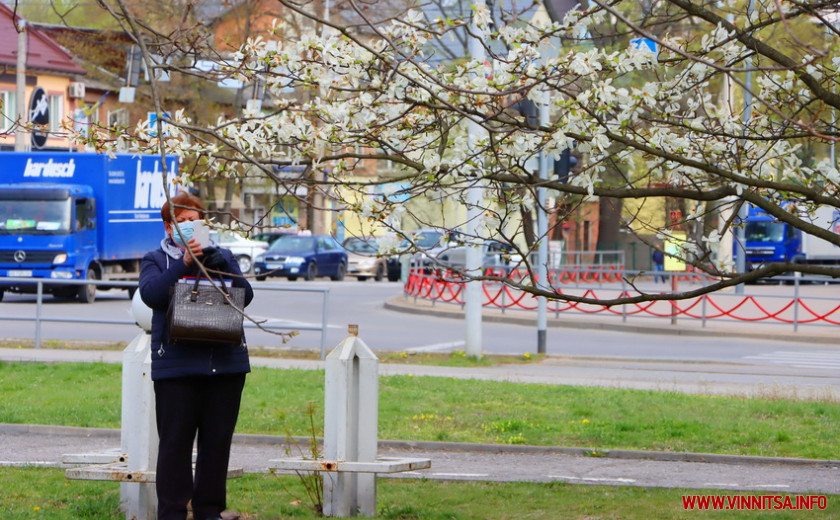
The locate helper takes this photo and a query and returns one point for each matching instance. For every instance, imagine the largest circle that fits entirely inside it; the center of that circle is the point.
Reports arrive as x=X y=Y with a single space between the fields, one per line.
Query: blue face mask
x=187 y=230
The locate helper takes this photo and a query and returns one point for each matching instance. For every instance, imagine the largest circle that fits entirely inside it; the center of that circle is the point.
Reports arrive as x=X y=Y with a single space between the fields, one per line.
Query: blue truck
x=78 y=216
x=770 y=240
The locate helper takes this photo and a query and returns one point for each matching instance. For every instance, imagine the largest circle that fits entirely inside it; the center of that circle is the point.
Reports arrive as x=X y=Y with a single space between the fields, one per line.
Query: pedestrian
x=658 y=265
x=198 y=387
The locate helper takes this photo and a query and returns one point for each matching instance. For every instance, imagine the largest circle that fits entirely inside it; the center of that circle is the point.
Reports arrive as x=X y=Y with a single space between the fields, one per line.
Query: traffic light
x=564 y=165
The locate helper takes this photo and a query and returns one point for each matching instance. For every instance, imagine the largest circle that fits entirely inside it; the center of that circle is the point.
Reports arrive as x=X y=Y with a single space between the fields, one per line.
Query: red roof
x=42 y=52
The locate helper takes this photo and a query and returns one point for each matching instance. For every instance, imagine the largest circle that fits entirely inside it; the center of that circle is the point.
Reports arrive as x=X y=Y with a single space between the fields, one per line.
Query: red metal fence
x=793 y=309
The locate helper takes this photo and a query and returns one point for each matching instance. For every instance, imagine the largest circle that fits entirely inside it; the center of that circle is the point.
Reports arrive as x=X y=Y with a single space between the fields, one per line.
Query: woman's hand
x=196 y=248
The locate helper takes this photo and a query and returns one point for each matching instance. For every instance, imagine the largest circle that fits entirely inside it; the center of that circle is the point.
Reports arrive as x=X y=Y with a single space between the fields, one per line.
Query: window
x=56 y=112
x=118 y=118
x=9 y=114
x=85 y=214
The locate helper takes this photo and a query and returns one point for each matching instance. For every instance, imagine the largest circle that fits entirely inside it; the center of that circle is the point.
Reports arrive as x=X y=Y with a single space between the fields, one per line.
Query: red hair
x=182 y=201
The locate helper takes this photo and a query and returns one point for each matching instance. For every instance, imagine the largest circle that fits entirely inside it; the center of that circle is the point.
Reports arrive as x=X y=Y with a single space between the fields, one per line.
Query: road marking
x=826 y=359
x=771 y=486
x=265 y=320
x=593 y=479
x=437 y=347
x=720 y=484
x=469 y=475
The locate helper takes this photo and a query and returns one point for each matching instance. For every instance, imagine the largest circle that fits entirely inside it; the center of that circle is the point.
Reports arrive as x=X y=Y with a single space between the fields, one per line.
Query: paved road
x=23 y=445
x=362 y=303
x=586 y=349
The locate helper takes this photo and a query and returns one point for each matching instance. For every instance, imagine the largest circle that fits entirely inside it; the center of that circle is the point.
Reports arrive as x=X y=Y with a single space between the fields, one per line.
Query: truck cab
x=769 y=240
x=48 y=232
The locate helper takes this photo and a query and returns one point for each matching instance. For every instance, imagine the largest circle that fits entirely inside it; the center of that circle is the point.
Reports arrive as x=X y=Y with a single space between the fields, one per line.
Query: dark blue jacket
x=158 y=273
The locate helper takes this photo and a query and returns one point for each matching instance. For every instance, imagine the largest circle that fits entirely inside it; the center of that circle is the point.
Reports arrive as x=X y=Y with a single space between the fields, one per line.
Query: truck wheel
x=87 y=292
x=380 y=272
x=244 y=263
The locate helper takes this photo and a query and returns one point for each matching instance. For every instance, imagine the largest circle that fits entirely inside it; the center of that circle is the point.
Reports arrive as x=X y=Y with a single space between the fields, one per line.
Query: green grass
x=441 y=409
x=455 y=359
x=44 y=494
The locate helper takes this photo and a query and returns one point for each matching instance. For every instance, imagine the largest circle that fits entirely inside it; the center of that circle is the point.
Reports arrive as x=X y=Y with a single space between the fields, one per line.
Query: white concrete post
x=139 y=438
x=350 y=426
x=473 y=295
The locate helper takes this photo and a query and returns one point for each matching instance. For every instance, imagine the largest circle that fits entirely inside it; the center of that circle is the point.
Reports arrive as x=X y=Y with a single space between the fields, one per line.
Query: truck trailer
x=78 y=216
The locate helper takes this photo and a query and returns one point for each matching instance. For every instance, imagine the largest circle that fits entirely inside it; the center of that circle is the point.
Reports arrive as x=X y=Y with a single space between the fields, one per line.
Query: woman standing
x=197 y=387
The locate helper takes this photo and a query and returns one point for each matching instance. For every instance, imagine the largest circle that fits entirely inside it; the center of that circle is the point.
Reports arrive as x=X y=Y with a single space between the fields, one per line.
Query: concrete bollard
x=350 y=426
x=351 y=412
x=138 y=439
x=133 y=464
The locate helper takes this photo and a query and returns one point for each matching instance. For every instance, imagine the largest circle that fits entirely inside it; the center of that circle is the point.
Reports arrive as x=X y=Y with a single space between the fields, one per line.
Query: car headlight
x=260 y=258
x=60 y=258
x=295 y=260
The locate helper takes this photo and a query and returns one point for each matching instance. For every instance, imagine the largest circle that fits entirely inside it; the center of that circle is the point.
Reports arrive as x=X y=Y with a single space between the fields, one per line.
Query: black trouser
x=208 y=405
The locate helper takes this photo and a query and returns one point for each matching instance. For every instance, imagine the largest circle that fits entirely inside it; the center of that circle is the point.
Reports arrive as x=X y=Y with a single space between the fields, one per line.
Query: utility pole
x=546 y=50
x=472 y=290
x=20 y=94
x=743 y=212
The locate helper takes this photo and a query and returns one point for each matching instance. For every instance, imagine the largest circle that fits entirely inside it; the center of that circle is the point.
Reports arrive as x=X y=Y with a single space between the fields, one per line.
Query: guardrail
x=39 y=317
x=792 y=309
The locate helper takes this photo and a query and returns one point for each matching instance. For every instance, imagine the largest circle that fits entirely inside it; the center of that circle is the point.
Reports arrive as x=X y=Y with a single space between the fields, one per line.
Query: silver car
x=363 y=261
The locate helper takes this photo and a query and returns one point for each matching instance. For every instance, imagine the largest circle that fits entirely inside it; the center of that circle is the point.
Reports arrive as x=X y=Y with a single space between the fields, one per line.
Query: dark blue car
x=307 y=256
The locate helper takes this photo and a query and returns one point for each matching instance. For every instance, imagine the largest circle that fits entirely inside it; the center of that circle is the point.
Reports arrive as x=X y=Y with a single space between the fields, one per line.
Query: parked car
x=299 y=255
x=430 y=245
x=245 y=250
x=493 y=254
x=364 y=261
x=271 y=236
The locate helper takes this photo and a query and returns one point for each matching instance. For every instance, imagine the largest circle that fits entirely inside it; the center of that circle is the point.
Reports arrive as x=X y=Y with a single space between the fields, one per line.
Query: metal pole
x=673 y=291
x=324 y=320
x=741 y=257
x=472 y=289
x=20 y=92
x=542 y=236
x=39 y=305
x=796 y=276
x=623 y=294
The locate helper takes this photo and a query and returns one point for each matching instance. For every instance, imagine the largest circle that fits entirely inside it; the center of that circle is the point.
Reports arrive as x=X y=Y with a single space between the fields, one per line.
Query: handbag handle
x=194 y=292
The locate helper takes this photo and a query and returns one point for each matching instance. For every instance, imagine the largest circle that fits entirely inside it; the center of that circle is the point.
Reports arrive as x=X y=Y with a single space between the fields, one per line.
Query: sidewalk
x=669 y=376
x=43 y=446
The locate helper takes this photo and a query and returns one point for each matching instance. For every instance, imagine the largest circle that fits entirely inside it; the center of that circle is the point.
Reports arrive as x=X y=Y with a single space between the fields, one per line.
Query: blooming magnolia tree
x=724 y=104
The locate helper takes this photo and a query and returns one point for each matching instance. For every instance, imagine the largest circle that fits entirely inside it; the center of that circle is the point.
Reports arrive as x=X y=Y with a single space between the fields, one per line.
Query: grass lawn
x=44 y=494
x=439 y=409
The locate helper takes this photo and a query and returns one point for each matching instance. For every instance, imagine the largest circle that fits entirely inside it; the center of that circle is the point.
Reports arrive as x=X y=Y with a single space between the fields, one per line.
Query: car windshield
x=424 y=240
x=360 y=246
x=293 y=243
x=764 y=231
x=35 y=217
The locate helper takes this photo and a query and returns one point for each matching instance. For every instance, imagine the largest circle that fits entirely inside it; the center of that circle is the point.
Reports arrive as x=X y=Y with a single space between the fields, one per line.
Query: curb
x=426 y=446
x=399 y=303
